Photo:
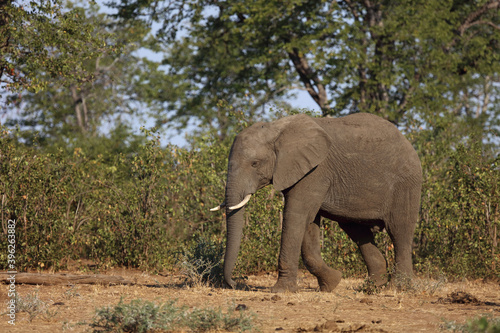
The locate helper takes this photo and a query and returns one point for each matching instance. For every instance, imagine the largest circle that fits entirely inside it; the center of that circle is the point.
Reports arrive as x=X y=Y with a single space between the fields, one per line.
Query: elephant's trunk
x=235 y=221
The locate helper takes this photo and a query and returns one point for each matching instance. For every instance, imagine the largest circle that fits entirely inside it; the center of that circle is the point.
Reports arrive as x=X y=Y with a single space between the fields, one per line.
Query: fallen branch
x=53 y=279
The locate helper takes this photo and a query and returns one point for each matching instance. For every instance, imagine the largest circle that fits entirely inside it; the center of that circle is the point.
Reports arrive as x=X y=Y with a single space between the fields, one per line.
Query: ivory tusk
x=218 y=207
x=242 y=203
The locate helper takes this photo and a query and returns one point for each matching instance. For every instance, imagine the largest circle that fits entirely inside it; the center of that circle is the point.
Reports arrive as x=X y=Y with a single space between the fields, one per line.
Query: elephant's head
x=279 y=152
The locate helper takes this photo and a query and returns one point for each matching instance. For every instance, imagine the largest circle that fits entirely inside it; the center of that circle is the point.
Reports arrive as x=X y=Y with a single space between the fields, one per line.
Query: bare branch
x=484 y=23
x=311 y=81
x=469 y=21
x=106 y=68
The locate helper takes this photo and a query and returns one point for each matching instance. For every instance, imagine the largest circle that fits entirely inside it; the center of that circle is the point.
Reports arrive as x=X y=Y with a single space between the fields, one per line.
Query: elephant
x=358 y=170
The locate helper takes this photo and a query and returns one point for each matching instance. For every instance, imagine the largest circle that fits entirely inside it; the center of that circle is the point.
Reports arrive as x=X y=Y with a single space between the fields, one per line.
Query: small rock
x=279 y=329
x=275 y=298
x=241 y=307
x=290 y=303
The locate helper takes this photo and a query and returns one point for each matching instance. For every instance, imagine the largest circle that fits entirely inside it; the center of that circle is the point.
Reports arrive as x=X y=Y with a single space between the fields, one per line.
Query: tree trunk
x=311 y=80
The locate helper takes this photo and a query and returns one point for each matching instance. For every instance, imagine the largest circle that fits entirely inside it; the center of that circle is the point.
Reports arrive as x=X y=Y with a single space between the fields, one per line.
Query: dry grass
x=390 y=310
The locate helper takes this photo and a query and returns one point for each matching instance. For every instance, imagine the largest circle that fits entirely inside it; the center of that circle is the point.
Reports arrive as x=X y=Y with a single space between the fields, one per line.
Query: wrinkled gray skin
x=358 y=170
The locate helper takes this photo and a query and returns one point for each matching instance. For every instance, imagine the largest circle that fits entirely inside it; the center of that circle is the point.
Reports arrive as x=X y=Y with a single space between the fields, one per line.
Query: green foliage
x=395 y=59
x=339 y=251
x=460 y=217
x=144 y=316
x=485 y=324
x=46 y=36
x=204 y=320
x=135 y=209
x=122 y=84
x=262 y=233
x=368 y=287
x=144 y=208
x=202 y=263
x=138 y=316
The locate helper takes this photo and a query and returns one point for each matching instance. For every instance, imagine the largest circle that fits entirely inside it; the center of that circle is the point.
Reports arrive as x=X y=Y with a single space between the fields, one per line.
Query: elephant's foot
x=285 y=285
x=380 y=279
x=329 y=280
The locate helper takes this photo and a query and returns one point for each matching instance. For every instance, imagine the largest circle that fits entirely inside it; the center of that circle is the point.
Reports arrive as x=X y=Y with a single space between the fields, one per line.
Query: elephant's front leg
x=297 y=213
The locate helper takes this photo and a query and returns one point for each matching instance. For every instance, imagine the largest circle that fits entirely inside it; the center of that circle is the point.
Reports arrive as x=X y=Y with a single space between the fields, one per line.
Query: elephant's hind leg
x=328 y=278
x=401 y=227
x=363 y=236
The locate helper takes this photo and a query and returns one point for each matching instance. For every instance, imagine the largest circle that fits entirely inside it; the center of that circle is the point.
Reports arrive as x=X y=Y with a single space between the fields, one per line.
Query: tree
x=122 y=86
x=383 y=57
x=44 y=36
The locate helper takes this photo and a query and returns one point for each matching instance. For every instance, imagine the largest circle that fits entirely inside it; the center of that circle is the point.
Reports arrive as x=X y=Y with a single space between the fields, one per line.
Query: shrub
x=142 y=208
x=135 y=210
x=262 y=233
x=68 y=207
x=201 y=264
x=460 y=217
x=485 y=324
x=138 y=316
x=143 y=316
x=203 y=320
x=33 y=306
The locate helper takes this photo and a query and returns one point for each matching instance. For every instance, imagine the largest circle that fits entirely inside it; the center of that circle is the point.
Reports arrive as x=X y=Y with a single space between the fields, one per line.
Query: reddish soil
x=344 y=310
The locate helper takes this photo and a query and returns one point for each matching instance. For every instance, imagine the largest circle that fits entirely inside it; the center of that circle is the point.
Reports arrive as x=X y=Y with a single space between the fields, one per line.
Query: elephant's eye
x=255 y=164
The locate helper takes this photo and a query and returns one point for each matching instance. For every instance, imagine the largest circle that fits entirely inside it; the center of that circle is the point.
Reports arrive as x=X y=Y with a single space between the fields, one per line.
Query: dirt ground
x=344 y=310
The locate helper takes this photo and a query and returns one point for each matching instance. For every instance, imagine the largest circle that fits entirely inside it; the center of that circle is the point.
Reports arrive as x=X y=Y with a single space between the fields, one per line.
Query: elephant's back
x=365 y=127
x=372 y=140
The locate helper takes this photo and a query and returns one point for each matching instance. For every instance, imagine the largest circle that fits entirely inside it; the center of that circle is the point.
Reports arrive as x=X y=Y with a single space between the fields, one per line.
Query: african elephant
x=358 y=170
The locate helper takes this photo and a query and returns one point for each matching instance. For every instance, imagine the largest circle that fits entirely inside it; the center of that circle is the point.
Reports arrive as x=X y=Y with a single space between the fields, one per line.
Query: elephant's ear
x=300 y=146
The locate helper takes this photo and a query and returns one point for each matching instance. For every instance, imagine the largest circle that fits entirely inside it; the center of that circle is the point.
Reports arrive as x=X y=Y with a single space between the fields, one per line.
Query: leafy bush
x=135 y=210
x=143 y=208
x=203 y=320
x=143 y=316
x=460 y=217
x=73 y=206
x=485 y=324
x=138 y=316
x=261 y=234
x=202 y=263
x=339 y=251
